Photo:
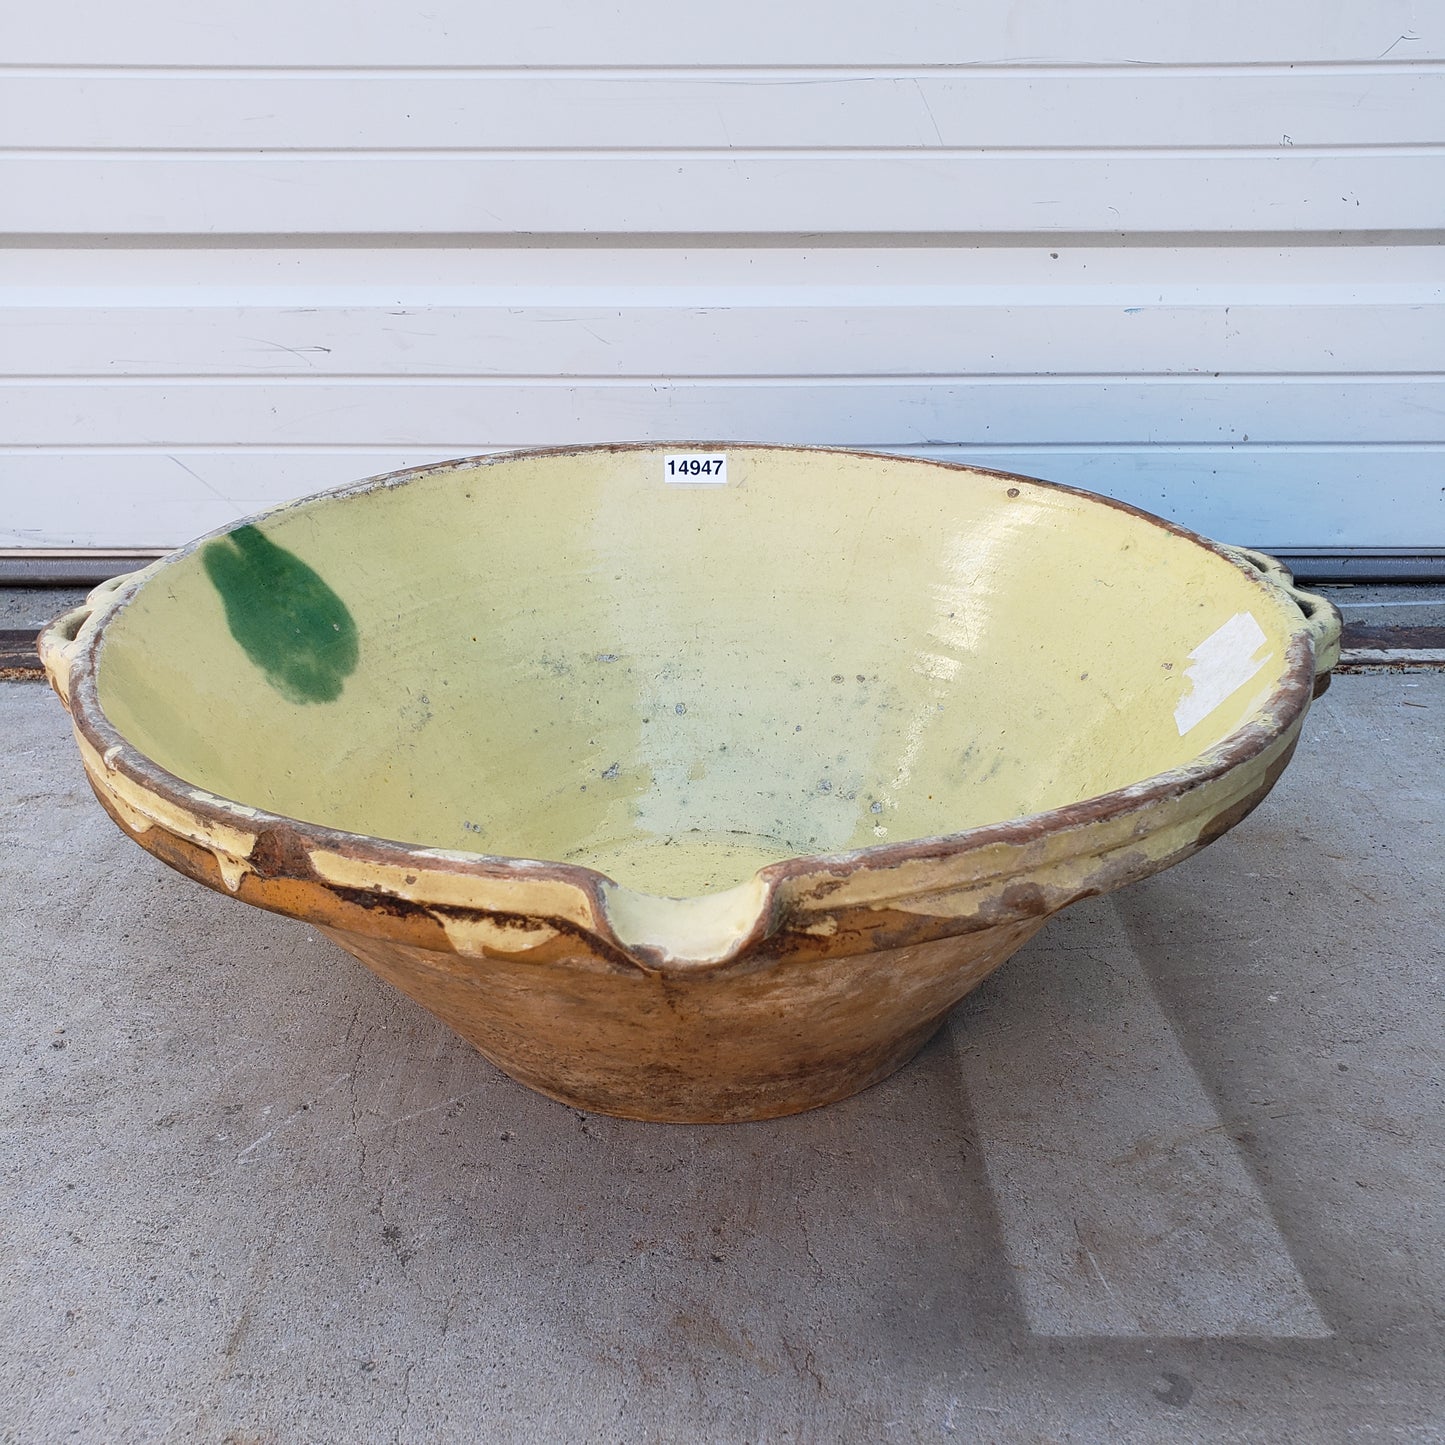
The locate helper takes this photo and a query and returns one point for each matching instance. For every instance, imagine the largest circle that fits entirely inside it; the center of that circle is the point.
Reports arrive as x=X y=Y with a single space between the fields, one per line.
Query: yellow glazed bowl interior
x=564 y=657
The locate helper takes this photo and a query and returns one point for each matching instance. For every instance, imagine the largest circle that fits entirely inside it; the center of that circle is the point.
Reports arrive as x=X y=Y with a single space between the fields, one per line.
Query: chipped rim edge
x=783 y=882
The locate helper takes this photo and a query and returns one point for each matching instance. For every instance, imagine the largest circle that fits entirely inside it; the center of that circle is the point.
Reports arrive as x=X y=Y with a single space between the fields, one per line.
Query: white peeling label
x=1219 y=667
x=695 y=469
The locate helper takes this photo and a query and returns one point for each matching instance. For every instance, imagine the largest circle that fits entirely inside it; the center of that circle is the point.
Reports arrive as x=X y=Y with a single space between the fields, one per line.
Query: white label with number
x=695 y=469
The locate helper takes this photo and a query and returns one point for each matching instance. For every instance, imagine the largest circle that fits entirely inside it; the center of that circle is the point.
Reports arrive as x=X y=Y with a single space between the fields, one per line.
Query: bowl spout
x=701 y=932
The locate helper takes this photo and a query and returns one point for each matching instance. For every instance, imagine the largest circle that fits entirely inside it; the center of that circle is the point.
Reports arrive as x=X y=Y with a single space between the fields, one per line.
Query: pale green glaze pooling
x=561 y=657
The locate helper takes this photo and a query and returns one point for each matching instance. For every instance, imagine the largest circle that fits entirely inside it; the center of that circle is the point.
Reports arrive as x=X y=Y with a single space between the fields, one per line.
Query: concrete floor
x=1175 y=1174
x=35 y=606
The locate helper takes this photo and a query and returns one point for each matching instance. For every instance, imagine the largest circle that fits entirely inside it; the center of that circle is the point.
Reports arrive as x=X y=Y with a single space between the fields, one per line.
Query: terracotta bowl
x=681 y=796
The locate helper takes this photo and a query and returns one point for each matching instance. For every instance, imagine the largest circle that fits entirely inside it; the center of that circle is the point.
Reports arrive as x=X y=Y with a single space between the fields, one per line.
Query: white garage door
x=1184 y=255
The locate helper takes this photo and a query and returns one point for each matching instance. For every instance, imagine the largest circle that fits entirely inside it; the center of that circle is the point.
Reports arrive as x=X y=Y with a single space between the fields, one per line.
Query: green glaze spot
x=285 y=617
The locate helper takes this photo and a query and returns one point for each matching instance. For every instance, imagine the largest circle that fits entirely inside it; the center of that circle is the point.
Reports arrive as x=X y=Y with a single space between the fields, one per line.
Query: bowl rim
x=1281 y=710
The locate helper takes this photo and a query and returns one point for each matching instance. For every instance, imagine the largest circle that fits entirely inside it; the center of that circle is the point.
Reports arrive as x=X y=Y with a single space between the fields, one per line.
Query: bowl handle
x=59 y=642
x=1322 y=617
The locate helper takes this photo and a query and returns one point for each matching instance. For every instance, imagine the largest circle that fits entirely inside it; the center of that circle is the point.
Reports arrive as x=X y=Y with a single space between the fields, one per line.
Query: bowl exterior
x=776 y=1038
